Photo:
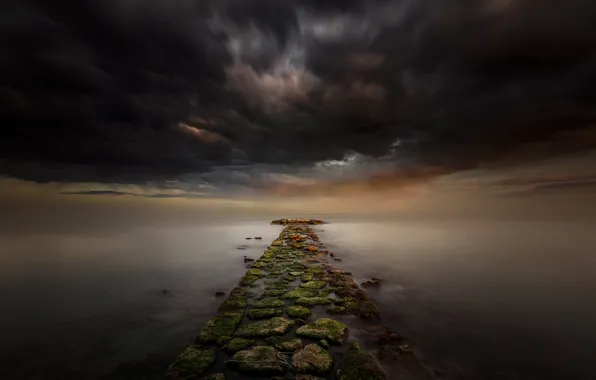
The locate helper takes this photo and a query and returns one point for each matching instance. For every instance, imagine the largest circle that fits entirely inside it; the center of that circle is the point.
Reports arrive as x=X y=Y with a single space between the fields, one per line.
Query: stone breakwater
x=294 y=316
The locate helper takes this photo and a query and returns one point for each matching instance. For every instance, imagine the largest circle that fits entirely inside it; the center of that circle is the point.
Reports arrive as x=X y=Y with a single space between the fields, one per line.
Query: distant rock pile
x=284 y=222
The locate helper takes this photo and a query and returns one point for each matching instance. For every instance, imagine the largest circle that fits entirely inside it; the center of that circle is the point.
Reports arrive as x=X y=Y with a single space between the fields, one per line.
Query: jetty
x=294 y=315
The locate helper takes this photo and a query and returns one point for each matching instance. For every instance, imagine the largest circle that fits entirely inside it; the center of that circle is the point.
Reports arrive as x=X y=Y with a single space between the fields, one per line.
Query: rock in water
x=193 y=361
x=324 y=328
x=270 y=327
x=358 y=365
x=312 y=359
x=260 y=359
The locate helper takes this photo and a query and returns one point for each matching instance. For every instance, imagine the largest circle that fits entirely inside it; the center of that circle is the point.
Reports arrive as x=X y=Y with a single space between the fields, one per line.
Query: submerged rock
x=313 y=359
x=220 y=294
x=324 y=328
x=313 y=301
x=193 y=361
x=373 y=282
x=273 y=326
x=247 y=280
x=314 y=284
x=258 y=238
x=298 y=312
x=268 y=303
x=263 y=313
x=285 y=345
x=221 y=325
x=237 y=344
x=299 y=293
x=335 y=309
x=259 y=359
x=358 y=365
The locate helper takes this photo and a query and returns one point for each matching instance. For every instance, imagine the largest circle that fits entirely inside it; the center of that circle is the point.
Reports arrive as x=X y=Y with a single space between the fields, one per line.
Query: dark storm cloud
x=129 y=91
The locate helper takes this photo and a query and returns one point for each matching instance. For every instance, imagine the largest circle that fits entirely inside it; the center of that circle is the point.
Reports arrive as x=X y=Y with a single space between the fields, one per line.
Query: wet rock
x=386 y=336
x=394 y=352
x=311 y=301
x=306 y=277
x=220 y=325
x=237 y=344
x=276 y=243
x=263 y=313
x=336 y=259
x=274 y=292
x=313 y=284
x=300 y=293
x=217 y=376
x=336 y=309
x=270 y=327
x=307 y=377
x=248 y=238
x=258 y=238
x=248 y=260
x=232 y=304
x=255 y=272
x=312 y=359
x=222 y=340
x=373 y=282
x=220 y=294
x=193 y=361
x=296 y=273
x=358 y=365
x=312 y=248
x=285 y=345
x=298 y=312
x=324 y=328
x=247 y=280
x=262 y=360
x=323 y=343
x=268 y=304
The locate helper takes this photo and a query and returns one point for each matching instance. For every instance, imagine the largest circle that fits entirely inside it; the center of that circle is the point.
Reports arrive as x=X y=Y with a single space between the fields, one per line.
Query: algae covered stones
x=273 y=326
x=324 y=328
x=193 y=361
x=298 y=312
x=313 y=301
x=268 y=303
x=358 y=365
x=314 y=284
x=263 y=313
x=237 y=344
x=312 y=359
x=259 y=359
x=221 y=325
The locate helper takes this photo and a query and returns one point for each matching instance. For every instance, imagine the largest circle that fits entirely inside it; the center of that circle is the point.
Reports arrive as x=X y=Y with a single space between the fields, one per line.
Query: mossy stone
x=314 y=285
x=298 y=312
x=262 y=360
x=268 y=304
x=193 y=361
x=324 y=328
x=217 y=376
x=296 y=273
x=305 y=277
x=299 y=293
x=269 y=327
x=255 y=272
x=238 y=344
x=223 y=340
x=323 y=343
x=313 y=301
x=335 y=309
x=358 y=365
x=247 y=280
x=221 y=325
x=312 y=359
x=232 y=304
x=263 y=313
x=287 y=345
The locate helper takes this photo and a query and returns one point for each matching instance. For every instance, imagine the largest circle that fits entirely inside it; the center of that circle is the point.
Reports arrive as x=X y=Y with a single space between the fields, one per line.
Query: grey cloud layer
x=130 y=91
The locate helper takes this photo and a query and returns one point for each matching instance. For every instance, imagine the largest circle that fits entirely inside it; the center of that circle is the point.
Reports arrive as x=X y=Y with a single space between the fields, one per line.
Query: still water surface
x=478 y=299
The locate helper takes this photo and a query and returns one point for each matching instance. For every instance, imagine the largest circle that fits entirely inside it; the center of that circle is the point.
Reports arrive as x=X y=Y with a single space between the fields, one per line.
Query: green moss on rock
x=298 y=312
x=247 y=280
x=305 y=277
x=296 y=273
x=263 y=313
x=268 y=303
x=323 y=343
x=313 y=301
x=262 y=360
x=220 y=325
x=335 y=309
x=287 y=345
x=232 y=304
x=324 y=328
x=217 y=376
x=312 y=359
x=255 y=272
x=193 y=361
x=358 y=365
x=314 y=285
x=270 y=327
x=238 y=344
x=299 y=293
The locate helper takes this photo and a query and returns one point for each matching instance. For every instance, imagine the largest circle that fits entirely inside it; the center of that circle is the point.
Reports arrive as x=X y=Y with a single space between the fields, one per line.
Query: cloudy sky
x=298 y=101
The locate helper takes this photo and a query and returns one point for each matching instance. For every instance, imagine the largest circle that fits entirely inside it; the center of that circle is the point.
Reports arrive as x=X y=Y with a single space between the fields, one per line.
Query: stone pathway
x=294 y=316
